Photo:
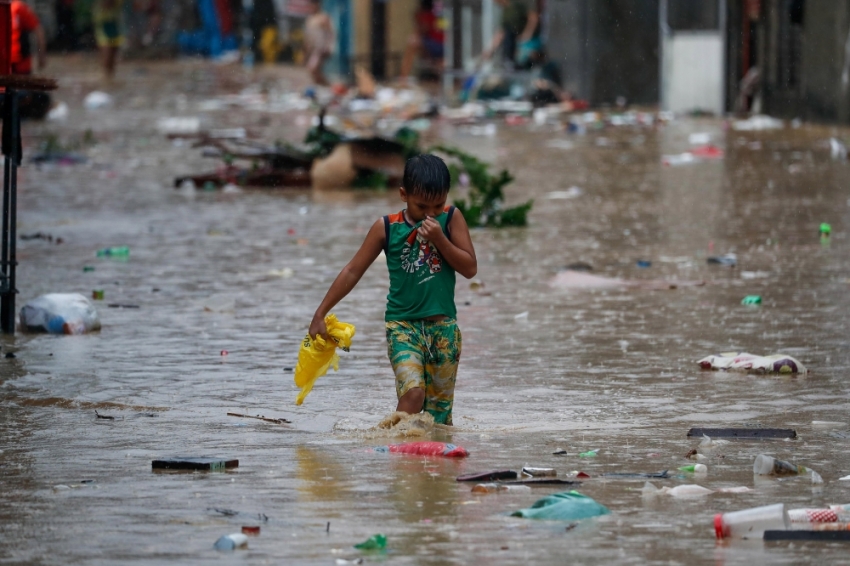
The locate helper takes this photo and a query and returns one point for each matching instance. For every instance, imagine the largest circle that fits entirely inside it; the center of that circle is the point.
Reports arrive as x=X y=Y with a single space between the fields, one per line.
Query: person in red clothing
x=427 y=40
x=24 y=23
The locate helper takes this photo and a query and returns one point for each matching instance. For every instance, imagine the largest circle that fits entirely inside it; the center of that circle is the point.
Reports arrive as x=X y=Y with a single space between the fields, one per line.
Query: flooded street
x=609 y=368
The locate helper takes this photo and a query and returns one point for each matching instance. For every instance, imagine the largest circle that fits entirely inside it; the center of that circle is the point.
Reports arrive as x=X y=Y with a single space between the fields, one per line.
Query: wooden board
x=826 y=536
x=194 y=463
x=744 y=433
x=489 y=476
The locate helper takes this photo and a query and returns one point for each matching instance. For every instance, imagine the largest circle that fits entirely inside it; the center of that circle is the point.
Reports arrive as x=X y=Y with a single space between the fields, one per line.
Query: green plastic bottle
x=120 y=251
x=374 y=542
x=751 y=300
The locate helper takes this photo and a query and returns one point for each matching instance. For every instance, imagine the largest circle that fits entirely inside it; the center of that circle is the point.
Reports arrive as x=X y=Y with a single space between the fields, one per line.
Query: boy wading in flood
x=425 y=245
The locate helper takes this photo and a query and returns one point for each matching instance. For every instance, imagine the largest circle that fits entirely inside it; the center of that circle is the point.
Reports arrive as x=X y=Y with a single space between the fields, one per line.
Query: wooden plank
x=194 y=463
x=492 y=475
x=27 y=82
x=627 y=475
x=826 y=536
x=541 y=481
x=744 y=433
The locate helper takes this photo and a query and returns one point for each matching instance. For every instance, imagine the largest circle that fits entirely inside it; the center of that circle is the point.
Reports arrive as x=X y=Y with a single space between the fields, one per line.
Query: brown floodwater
x=608 y=368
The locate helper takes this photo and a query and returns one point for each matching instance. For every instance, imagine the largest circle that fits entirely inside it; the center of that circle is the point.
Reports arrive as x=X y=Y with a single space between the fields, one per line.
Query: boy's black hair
x=426 y=175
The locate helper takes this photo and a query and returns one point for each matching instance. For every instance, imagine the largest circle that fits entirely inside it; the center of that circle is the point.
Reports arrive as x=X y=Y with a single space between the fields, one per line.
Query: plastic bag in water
x=316 y=356
x=564 y=506
x=60 y=313
x=426 y=448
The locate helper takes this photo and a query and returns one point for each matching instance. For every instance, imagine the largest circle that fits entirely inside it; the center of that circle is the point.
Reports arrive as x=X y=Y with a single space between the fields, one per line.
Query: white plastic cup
x=751 y=523
x=769 y=466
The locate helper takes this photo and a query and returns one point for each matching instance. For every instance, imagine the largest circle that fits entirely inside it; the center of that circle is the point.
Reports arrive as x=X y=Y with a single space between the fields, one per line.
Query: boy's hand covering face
x=431 y=230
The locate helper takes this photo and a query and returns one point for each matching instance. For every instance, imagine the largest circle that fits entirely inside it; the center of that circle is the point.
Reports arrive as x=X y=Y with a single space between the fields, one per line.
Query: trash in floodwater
x=538 y=472
x=96 y=100
x=839 y=533
x=729 y=260
x=497 y=487
x=426 y=448
x=742 y=433
x=251 y=531
x=837 y=149
x=194 y=463
x=636 y=475
x=571 y=193
x=489 y=476
x=757 y=123
x=120 y=251
x=97 y=294
x=60 y=313
x=260 y=417
x=374 y=542
x=825 y=229
x=742 y=361
x=695 y=469
x=316 y=356
x=644 y=263
x=691 y=490
x=231 y=542
x=751 y=523
x=831 y=514
x=565 y=506
x=765 y=465
x=751 y=300
x=589 y=453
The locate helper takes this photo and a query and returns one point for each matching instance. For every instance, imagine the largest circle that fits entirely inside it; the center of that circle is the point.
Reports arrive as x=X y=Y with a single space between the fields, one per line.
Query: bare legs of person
x=314 y=66
x=411 y=50
x=109 y=58
x=412 y=401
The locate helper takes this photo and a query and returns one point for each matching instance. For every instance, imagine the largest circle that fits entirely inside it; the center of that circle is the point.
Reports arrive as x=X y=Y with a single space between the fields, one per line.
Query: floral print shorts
x=425 y=354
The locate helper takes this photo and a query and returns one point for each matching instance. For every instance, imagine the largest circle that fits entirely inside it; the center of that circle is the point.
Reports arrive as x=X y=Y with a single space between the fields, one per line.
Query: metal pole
x=11 y=129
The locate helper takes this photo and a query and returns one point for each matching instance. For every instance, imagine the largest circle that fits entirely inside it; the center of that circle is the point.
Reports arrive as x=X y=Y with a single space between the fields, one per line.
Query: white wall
x=692 y=72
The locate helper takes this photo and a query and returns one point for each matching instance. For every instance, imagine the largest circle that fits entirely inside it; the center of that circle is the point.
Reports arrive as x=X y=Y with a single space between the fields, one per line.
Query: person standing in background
x=519 y=34
x=427 y=41
x=108 y=32
x=319 y=37
x=24 y=23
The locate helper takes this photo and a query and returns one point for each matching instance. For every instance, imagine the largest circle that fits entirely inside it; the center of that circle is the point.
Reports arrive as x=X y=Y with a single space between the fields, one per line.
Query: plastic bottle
x=231 y=542
x=374 y=542
x=120 y=251
x=751 y=300
x=751 y=523
x=769 y=466
x=695 y=468
x=589 y=453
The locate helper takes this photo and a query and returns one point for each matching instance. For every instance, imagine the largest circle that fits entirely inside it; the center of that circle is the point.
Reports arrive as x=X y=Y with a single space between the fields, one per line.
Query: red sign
x=5 y=38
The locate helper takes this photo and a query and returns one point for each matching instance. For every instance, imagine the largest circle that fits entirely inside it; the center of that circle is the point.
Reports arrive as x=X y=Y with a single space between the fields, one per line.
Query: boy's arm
x=348 y=277
x=458 y=251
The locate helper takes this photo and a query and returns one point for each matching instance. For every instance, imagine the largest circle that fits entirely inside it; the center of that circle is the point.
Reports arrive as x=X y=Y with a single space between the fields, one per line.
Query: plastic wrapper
x=60 y=313
x=426 y=448
x=774 y=363
x=316 y=356
x=565 y=506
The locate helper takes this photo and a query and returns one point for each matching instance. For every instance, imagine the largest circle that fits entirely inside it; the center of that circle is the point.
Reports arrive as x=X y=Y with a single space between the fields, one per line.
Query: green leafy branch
x=483 y=207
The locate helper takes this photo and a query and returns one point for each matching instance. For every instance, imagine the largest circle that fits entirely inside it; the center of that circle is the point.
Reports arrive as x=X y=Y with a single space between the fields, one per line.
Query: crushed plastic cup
x=751 y=523
x=765 y=465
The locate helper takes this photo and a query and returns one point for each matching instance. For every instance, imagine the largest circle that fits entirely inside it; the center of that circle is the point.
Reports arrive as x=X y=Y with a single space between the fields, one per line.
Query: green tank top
x=421 y=283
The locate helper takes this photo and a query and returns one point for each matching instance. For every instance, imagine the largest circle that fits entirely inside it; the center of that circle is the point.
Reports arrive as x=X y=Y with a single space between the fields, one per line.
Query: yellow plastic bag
x=316 y=356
